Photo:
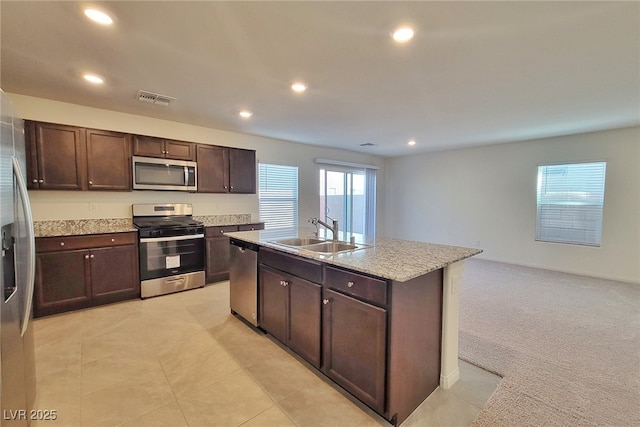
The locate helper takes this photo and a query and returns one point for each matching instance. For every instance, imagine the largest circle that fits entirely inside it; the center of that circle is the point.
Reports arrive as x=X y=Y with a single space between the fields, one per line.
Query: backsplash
x=75 y=227
x=65 y=205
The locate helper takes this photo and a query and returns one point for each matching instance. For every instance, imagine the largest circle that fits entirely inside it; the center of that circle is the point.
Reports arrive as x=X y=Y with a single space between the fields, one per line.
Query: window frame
x=264 y=213
x=561 y=216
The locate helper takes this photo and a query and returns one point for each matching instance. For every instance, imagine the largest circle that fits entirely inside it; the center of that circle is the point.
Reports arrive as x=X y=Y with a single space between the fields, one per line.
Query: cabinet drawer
x=357 y=285
x=219 y=230
x=62 y=243
x=249 y=227
x=301 y=267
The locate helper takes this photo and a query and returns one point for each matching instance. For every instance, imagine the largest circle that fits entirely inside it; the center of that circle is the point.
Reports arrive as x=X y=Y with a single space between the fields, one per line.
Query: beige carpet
x=567 y=346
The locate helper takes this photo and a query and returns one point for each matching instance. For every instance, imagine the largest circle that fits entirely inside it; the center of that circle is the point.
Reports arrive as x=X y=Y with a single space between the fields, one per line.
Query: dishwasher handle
x=244 y=246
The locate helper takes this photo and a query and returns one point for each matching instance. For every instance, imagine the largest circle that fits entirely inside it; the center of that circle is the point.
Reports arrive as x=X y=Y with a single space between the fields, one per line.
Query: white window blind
x=570 y=201
x=278 y=196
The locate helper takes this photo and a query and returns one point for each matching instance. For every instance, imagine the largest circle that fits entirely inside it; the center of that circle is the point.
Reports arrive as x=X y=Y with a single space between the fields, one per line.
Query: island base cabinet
x=355 y=346
x=273 y=303
x=304 y=319
x=415 y=325
x=290 y=312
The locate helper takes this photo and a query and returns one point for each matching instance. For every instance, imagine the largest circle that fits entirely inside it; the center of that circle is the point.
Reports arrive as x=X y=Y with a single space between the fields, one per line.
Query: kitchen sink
x=320 y=246
x=299 y=241
x=331 y=247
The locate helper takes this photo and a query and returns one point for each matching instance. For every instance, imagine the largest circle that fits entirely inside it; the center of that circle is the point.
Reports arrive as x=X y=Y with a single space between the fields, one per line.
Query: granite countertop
x=72 y=227
x=398 y=260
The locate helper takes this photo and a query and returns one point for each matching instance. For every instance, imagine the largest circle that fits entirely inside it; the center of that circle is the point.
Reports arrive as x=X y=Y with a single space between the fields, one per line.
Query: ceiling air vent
x=155 y=98
x=368 y=144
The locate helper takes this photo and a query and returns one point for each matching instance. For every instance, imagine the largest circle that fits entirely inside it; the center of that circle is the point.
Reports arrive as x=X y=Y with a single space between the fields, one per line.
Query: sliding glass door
x=348 y=195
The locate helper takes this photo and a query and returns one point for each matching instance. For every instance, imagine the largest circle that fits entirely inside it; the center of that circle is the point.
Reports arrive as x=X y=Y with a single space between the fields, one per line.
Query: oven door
x=169 y=256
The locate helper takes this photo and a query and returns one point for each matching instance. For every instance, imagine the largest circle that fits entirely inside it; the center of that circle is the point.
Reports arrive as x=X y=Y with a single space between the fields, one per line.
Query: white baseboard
x=543 y=267
x=447 y=381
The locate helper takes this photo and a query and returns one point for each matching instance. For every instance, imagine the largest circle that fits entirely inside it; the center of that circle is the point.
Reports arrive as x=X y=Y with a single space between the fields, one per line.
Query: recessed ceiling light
x=412 y=142
x=299 y=87
x=403 y=34
x=92 y=78
x=98 y=16
x=245 y=114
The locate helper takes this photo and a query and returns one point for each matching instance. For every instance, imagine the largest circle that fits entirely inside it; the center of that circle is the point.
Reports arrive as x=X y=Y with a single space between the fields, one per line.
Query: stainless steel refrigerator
x=17 y=360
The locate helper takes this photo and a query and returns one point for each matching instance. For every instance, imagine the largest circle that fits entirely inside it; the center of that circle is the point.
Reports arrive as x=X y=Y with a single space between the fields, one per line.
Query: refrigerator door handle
x=31 y=262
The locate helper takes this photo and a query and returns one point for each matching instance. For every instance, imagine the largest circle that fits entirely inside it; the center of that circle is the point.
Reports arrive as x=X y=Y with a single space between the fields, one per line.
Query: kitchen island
x=380 y=320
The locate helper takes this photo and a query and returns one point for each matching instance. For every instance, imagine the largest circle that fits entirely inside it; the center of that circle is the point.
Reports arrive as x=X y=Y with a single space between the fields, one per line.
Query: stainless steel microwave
x=164 y=174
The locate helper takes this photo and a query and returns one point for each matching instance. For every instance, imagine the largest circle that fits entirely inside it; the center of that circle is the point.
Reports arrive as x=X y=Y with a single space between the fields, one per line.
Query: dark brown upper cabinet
x=150 y=146
x=226 y=170
x=108 y=160
x=213 y=169
x=242 y=171
x=61 y=157
x=55 y=156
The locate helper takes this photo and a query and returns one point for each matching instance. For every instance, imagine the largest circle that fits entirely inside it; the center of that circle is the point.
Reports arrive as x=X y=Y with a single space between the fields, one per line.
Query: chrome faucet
x=333 y=228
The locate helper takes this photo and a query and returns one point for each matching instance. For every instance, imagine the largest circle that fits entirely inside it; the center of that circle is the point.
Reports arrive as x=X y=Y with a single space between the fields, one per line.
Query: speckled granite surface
x=73 y=227
x=399 y=260
x=232 y=219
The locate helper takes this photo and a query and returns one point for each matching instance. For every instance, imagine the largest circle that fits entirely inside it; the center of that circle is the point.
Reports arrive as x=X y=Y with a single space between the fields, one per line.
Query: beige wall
x=90 y=204
x=486 y=197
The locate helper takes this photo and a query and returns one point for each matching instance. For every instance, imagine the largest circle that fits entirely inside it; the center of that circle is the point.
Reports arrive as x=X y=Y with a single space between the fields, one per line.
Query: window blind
x=278 y=195
x=570 y=199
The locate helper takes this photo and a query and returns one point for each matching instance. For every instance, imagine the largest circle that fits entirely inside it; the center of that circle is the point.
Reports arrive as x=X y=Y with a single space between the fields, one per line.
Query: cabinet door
x=108 y=160
x=242 y=171
x=273 y=303
x=179 y=150
x=62 y=282
x=31 y=154
x=354 y=341
x=114 y=272
x=304 y=319
x=213 y=170
x=148 y=146
x=218 y=255
x=61 y=159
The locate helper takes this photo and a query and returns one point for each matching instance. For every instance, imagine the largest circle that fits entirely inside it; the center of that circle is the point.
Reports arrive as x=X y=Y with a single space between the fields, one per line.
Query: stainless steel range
x=172 y=252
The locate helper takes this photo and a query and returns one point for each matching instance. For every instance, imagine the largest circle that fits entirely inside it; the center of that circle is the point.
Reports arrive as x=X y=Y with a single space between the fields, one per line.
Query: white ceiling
x=475 y=73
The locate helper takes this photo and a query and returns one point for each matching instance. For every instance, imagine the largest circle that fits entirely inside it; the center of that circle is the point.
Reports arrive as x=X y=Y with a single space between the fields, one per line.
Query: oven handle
x=171 y=239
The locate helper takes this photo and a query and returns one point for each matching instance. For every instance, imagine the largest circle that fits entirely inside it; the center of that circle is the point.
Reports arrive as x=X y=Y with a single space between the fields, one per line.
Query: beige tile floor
x=183 y=360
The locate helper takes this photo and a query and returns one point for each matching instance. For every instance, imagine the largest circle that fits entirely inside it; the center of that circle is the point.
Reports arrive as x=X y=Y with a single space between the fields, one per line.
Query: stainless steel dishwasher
x=243 y=280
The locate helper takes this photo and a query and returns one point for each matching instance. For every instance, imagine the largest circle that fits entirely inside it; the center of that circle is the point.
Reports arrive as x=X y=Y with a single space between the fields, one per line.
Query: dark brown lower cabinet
x=218 y=250
x=378 y=339
x=114 y=272
x=355 y=346
x=290 y=311
x=62 y=282
x=82 y=271
x=273 y=303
